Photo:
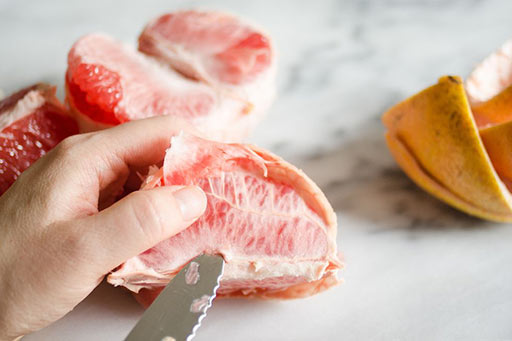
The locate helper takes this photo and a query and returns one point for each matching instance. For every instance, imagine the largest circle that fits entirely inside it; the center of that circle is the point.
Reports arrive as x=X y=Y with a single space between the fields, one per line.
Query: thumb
x=141 y=220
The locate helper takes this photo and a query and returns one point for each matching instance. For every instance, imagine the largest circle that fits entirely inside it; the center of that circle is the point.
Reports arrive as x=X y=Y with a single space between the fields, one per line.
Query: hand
x=56 y=245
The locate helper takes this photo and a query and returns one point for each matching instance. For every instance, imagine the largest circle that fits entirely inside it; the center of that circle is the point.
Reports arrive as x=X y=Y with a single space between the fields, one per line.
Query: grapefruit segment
x=221 y=50
x=96 y=91
x=434 y=138
x=32 y=121
x=108 y=83
x=111 y=83
x=272 y=224
x=211 y=46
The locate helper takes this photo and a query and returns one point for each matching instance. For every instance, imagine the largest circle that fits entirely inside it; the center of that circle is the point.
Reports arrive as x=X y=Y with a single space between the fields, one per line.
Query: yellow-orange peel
x=456 y=143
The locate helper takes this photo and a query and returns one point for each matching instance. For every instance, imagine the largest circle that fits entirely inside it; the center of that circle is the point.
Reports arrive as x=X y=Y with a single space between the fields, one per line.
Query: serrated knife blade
x=177 y=312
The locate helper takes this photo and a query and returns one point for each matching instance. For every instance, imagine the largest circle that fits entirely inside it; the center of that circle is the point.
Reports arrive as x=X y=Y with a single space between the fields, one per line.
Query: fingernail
x=191 y=201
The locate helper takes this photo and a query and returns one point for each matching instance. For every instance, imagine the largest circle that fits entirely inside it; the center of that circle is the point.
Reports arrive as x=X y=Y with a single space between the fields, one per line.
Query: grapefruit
x=32 y=121
x=221 y=82
x=270 y=222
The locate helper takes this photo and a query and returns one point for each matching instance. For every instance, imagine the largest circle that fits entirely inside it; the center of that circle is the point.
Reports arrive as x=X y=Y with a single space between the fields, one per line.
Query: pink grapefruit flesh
x=211 y=46
x=110 y=83
x=208 y=68
x=32 y=121
x=270 y=222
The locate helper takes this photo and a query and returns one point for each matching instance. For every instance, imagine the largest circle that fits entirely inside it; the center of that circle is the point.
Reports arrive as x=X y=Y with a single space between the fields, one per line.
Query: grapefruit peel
x=455 y=141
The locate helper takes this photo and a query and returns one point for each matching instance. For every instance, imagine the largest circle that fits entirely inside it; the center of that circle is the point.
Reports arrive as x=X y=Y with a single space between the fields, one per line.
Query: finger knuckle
x=76 y=244
x=96 y=139
x=67 y=147
x=73 y=245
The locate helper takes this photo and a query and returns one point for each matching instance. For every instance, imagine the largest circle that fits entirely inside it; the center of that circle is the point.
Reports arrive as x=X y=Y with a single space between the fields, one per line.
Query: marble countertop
x=415 y=268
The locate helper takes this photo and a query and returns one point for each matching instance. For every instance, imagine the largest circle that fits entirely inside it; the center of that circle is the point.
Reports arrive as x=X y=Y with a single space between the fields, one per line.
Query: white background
x=416 y=269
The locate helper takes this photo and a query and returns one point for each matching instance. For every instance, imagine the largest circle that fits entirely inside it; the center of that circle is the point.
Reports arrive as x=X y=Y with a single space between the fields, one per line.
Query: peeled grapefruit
x=209 y=68
x=270 y=222
x=32 y=121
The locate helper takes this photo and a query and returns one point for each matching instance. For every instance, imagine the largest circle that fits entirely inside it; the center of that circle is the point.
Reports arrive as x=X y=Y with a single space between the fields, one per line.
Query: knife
x=177 y=312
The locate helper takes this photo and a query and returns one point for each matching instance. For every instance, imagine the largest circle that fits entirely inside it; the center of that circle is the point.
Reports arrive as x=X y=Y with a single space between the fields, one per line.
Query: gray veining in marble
x=416 y=269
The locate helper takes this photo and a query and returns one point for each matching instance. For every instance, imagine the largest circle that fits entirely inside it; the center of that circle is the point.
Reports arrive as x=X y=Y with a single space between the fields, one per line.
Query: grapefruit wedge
x=32 y=121
x=214 y=47
x=198 y=69
x=108 y=83
x=271 y=223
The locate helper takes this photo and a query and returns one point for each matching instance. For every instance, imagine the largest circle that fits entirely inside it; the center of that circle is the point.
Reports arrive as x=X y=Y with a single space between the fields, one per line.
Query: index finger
x=141 y=142
x=132 y=145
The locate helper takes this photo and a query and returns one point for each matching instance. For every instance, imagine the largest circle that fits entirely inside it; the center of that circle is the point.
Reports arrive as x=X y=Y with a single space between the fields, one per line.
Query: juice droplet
x=192 y=274
x=199 y=305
